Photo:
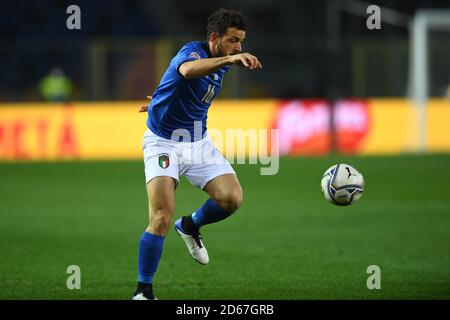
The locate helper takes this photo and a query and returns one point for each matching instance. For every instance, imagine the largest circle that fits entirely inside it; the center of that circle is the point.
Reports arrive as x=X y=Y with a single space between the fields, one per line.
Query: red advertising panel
x=304 y=126
x=352 y=124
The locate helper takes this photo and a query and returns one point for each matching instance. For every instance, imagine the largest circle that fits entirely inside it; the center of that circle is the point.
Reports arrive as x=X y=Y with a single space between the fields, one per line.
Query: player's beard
x=219 y=50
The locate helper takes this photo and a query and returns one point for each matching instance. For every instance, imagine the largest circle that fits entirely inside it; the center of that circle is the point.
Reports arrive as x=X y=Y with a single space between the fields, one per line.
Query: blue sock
x=150 y=250
x=209 y=212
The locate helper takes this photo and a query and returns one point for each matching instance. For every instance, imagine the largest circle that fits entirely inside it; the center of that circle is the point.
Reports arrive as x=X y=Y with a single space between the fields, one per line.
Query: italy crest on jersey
x=164 y=161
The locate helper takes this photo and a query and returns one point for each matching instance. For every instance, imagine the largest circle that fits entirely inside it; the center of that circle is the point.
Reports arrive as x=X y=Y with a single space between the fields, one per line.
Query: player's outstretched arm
x=145 y=108
x=203 y=67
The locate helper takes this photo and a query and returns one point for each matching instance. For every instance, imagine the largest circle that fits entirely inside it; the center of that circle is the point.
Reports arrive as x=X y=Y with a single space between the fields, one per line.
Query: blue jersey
x=179 y=103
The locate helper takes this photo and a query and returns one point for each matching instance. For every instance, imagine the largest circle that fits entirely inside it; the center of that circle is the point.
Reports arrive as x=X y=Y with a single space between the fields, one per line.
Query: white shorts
x=198 y=161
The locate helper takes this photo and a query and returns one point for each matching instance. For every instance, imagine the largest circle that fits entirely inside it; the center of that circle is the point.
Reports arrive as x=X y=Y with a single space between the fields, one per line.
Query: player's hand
x=246 y=60
x=145 y=108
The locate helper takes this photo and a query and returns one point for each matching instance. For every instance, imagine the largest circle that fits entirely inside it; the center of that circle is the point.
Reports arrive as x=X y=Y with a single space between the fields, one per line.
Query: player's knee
x=231 y=200
x=160 y=220
x=160 y=225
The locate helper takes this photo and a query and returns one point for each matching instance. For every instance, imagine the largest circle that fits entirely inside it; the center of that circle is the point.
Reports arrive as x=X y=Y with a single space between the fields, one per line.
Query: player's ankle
x=188 y=225
x=142 y=286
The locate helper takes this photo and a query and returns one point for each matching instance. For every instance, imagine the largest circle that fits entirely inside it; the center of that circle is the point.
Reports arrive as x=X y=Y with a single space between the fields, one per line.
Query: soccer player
x=176 y=143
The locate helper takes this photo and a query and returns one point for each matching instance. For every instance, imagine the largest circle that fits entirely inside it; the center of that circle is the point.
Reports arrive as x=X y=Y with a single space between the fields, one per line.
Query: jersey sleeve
x=187 y=53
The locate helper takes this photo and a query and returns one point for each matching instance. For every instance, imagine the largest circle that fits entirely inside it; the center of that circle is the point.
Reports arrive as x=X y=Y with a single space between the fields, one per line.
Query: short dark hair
x=223 y=19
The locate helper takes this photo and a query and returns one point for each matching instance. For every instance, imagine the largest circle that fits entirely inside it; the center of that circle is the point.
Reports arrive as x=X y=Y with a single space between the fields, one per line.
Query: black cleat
x=144 y=291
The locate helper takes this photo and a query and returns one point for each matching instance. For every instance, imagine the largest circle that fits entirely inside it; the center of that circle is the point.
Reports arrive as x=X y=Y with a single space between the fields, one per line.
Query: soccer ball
x=342 y=184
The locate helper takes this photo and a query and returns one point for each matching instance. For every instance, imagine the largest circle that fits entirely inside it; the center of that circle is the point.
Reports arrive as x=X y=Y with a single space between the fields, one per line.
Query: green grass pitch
x=285 y=242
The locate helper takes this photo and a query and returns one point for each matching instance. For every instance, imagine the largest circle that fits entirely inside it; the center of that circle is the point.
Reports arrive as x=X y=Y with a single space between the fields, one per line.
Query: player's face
x=230 y=43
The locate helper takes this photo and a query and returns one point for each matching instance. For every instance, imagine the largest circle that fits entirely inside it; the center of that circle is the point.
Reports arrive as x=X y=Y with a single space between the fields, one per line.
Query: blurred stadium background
x=71 y=176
